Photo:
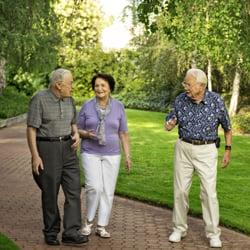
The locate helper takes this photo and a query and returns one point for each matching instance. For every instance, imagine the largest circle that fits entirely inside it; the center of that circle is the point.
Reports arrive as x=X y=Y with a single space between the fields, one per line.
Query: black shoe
x=76 y=239
x=52 y=240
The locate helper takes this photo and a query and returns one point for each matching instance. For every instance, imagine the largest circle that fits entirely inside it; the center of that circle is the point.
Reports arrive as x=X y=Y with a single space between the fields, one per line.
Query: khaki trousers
x=201 y=159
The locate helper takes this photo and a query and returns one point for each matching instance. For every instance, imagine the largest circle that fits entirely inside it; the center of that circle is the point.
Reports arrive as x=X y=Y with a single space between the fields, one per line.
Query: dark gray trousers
x=61 y=167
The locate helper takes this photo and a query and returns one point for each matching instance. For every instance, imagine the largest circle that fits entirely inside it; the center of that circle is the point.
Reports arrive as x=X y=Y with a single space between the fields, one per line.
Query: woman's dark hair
x=108 y=78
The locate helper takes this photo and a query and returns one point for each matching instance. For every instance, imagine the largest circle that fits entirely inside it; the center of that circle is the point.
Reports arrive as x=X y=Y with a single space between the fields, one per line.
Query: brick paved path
x=134 y=225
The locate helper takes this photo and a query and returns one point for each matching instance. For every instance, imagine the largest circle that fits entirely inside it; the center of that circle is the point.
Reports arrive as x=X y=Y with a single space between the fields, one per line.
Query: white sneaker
x=176 y=236
x=87 y=229
x=101 y=231
x=215 y=242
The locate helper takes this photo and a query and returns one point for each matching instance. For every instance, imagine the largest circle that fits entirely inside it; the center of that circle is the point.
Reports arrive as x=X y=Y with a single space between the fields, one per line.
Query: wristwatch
x=228 y=147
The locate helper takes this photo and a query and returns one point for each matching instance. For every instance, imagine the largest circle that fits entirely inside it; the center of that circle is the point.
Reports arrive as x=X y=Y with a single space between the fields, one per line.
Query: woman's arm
x=86 y=134
x=124 y=137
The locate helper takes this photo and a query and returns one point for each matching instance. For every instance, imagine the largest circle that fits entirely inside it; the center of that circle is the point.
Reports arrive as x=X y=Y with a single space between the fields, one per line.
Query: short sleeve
x=34 y=117
x=81 y=118
x=123 y=121
x=224 y=117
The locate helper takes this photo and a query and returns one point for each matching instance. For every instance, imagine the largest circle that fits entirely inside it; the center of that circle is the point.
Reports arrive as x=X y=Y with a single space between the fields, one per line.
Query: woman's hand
x=88 y=134
x=128 y=164
x=91 y=134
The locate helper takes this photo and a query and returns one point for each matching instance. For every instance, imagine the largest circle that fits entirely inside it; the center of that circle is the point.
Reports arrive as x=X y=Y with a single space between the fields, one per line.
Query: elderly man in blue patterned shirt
x=198 y=113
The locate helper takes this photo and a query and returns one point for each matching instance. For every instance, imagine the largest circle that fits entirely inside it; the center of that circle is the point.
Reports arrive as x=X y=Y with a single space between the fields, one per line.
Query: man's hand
x=37 y=164
x=226 y=158
x=76 y=139
x=170 y=124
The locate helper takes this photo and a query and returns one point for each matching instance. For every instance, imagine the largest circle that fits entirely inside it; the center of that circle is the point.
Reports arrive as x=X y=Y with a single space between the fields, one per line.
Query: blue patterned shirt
x=200 y=121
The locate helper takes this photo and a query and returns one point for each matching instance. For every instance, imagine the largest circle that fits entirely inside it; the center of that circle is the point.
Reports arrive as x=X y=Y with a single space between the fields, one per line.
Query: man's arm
x=171 y=120
x=228 y=142
x=170 y=124
x=36 y=161
x=75 y=137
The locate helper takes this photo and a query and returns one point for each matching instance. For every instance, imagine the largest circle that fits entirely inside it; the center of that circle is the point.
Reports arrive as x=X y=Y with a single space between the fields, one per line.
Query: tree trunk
x=235 y=94
x=209 y=75
x=2 y=75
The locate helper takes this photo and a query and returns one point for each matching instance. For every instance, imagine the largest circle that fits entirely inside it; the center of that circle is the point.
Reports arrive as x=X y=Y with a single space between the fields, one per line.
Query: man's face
x=65 y=87
x=192 y=88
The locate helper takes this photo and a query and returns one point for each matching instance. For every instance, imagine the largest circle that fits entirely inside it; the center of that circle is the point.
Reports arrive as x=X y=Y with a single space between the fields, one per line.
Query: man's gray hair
x=57 y=76
x=199 y=75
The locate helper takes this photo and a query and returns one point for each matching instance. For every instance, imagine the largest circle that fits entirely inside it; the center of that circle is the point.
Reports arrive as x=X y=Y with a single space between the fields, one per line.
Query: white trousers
x=201 y=159
x=100 y=180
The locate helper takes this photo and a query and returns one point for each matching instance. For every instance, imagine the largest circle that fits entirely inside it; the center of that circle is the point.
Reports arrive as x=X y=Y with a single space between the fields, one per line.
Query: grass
x=7 y=244
x=151 y=180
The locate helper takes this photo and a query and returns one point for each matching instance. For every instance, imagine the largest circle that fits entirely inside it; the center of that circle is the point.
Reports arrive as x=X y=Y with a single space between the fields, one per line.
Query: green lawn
x=7 y=244
x=151 y=178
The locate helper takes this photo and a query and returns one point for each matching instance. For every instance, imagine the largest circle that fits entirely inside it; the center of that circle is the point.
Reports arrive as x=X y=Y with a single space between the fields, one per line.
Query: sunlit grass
x=151 y=179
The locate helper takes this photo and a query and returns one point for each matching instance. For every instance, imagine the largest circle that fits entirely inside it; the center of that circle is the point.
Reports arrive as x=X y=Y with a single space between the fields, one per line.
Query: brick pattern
x=133 y=225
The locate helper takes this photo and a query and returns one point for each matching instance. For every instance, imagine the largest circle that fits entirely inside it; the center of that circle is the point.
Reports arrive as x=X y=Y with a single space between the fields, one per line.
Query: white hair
x=199 y=75
x=57 y=75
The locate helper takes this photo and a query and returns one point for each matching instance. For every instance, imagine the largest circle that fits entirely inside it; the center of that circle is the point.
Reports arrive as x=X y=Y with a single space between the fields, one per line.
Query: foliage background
x=38 y=36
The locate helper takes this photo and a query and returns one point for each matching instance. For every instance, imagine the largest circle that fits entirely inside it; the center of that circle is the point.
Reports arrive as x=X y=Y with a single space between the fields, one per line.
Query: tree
x=243 y=60
x=80 y=24
x=209 y=33
x=28 y=35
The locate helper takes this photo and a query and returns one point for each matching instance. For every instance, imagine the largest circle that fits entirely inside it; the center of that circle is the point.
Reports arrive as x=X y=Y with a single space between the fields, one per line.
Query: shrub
x=241 y=123
x=28 y=83
x=12 y=103
x=154 y=100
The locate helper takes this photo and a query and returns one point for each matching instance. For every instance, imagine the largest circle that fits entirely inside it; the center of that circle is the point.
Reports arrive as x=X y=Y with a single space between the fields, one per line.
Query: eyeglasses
x=186 y=85
x=191 y=85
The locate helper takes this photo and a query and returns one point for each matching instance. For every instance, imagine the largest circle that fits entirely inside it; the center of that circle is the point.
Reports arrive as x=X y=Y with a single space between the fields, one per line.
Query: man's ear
x=58 y=85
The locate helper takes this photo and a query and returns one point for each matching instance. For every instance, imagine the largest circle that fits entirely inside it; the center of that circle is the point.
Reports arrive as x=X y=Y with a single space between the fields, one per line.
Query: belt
x=59 y=138
x=197 y=142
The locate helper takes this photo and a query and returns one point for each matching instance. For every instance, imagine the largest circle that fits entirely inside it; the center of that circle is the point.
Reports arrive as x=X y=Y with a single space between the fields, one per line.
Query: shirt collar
x=206 y=97
x=110 y=100
x=54 y=97
x=204 y=100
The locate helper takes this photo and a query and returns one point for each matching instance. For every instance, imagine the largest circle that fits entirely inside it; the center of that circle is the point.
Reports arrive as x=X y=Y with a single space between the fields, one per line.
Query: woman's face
x=102 y=89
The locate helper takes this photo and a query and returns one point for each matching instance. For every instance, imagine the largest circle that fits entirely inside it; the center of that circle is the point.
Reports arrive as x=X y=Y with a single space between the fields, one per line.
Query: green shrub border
x=241 y=123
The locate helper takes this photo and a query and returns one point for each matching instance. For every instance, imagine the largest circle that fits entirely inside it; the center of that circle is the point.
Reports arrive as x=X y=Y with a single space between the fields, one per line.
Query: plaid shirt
x=51 y=115
x=200 y=121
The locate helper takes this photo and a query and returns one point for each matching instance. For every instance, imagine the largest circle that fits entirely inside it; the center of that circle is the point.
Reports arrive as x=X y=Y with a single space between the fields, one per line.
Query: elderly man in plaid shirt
x=53 y=139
